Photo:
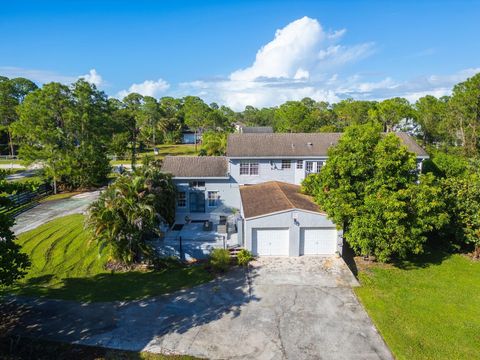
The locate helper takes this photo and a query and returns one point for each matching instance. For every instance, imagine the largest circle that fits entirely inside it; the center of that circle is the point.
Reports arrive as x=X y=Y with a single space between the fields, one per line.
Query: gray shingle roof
x=196 y=166
x=274 y=196
x=295 y=144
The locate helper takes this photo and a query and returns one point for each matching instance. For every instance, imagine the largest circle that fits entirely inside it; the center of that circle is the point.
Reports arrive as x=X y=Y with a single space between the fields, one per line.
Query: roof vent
x=293 y=146
x=309 y=144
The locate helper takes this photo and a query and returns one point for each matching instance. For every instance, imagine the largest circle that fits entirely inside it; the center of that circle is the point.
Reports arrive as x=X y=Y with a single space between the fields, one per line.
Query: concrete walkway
x=50 y=210
x=282 y=308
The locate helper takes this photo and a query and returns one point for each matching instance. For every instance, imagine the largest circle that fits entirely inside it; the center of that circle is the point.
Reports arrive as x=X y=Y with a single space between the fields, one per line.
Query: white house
x=256 y=186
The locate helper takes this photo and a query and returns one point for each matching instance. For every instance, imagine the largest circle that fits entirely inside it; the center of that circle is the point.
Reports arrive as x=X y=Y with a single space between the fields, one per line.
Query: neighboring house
x=189 y=137
x=254 y=129
x=255 y=186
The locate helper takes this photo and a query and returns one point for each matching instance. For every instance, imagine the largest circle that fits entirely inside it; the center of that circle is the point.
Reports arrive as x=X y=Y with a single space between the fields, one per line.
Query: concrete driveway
x=282 y=308
x=50 y=210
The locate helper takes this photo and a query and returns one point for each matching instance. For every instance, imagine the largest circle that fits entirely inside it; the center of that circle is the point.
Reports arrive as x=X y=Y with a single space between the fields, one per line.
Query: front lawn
x=163 y=150
x=66 y=264
x=59 y=196
x=428 y=309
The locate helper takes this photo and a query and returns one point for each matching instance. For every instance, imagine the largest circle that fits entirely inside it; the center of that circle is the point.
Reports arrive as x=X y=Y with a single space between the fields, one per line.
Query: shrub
x=168 y=262
x=244 y=257
x=220 y=260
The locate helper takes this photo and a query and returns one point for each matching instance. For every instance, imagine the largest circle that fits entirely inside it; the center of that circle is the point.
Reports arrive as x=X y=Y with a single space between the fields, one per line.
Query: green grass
x=66 y=264
x=163 y=150
x=16 y=162
x=37 y=179
x=59 y=196
x=428 y=309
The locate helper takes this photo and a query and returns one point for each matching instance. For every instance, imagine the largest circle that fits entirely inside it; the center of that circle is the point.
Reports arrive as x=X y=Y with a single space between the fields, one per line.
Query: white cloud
x=36 y=75
x=93 y=78
x=298 y=49
x=298 y=62
x=147 y=88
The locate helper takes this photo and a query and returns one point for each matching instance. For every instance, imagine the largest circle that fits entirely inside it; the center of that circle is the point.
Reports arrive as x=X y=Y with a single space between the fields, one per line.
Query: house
x=255 y=188
x=206 y=190
x=280 y=221
x=254 y=129
x=189 y=137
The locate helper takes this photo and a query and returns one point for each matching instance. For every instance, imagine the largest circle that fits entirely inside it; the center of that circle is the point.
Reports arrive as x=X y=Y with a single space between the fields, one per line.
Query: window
x=182 y=199
x=286 y=164
x=319 y=165
x=249 y=168
x=196 y=184
x=309 y=166
x=213 y=198
x=244 y=168
x=299 y=164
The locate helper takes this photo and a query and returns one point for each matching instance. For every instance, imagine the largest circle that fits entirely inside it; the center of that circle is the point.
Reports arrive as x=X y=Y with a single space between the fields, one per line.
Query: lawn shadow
x=133 y=324
x=429 y=257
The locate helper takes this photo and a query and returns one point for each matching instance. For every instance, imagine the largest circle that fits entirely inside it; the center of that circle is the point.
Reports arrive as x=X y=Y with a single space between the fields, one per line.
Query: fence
x=25 y=200
x=8 y=157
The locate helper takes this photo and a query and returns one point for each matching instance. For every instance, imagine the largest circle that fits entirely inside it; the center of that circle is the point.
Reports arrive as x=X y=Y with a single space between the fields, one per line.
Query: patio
x=195 y=242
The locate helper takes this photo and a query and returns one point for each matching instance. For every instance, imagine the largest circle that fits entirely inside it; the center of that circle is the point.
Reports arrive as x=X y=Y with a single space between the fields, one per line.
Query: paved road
x=283 y=308
x=50 y=210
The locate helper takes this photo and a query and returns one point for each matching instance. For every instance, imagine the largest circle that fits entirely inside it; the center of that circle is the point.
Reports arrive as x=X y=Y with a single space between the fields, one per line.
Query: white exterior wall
x=271 y=170
x=228 y=190
x=285 y=219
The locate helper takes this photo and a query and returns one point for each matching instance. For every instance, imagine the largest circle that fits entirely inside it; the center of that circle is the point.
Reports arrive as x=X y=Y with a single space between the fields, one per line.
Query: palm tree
x=126 y=214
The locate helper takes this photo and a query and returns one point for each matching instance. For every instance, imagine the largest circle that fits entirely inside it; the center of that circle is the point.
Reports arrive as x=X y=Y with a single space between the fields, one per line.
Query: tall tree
x=91 y=134
x=196 y=113
x=151 y=115
x=353 y=112
x=66 y=130
x=44 y=129
x=292 y=116
x=464 y=119
x=12 y=93
x=369 y=187
x=390 y=112
x=131 y=113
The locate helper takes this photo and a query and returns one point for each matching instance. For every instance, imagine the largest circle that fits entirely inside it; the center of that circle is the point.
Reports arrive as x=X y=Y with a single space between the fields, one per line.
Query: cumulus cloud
x=93 y=77
x=304 y=60
x=147 y=88
x=298 y=62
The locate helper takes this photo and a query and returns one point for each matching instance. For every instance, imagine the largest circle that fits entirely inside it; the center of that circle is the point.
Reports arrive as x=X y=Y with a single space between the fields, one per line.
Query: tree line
x=86 y=116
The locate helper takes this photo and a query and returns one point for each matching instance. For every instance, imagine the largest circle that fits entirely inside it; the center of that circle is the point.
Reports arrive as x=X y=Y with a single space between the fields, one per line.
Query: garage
x=318 y=241
x=270 y=242
x=278 y=220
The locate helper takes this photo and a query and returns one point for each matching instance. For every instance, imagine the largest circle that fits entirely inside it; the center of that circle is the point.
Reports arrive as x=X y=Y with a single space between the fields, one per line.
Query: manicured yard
x=66 y=264
x=429 y=309
x=59 y=196
x=163 y=150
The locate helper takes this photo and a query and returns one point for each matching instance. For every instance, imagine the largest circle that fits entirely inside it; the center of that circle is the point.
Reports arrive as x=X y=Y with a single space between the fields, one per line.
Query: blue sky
x=230 y=52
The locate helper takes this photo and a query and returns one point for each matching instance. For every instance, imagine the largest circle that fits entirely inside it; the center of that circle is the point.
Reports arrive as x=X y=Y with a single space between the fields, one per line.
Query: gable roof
x=295 y=144
x=274 y=196
x=196 y=166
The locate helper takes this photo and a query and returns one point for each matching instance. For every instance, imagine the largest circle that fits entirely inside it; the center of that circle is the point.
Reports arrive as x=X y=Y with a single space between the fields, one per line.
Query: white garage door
x=273 y=242
x=318 y=241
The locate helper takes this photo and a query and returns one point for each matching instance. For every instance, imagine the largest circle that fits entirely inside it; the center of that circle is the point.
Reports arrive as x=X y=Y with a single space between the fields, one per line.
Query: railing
x=25 y=200
x=8 y=157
